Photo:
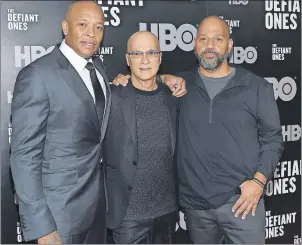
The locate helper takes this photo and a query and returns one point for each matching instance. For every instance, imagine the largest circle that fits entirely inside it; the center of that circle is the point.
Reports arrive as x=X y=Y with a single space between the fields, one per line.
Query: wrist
x=258 y=182
x=261 y=177
x=163 y=77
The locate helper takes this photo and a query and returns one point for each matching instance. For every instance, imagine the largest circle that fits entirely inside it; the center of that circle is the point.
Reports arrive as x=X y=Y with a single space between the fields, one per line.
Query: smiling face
x=144 y=55
x=83 y=27
x=212 y=43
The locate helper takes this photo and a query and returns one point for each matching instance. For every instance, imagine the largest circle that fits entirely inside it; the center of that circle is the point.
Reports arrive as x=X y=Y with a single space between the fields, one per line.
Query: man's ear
x=160 y=58
x=65 y=27
x=194 y=43
x=127 y=59
x=230 y=45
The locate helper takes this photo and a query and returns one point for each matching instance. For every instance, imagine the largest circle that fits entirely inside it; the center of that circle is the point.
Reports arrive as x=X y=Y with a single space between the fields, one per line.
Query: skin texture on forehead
x=141 y=39
x=214 y=24
x=76 y=7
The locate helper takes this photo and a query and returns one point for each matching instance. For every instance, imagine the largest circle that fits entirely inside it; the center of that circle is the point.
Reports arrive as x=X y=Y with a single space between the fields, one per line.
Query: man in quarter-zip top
x=229 y=143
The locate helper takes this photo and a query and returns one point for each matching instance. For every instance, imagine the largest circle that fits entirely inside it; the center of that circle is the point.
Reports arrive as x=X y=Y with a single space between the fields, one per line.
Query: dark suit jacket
x=120 y=148
x=56 y=148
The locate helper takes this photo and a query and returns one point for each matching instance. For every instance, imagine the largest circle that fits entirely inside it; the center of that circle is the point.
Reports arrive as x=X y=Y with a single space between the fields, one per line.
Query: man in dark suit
x=138 y=150
x=60 y=112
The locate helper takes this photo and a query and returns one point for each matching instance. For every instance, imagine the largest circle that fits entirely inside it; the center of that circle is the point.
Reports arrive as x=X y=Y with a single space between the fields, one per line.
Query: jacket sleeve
x=30 y=108
x=269 y=130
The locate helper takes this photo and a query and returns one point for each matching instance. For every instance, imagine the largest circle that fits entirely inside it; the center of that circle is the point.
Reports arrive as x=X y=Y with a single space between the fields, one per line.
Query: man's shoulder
x=115 y=91
x=252 y=78
x=43 y=63
x=39 y=67
x=187 y=73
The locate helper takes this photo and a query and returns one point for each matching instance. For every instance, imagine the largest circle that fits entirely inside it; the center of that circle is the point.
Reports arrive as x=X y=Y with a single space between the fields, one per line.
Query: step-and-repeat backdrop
x=267 y=37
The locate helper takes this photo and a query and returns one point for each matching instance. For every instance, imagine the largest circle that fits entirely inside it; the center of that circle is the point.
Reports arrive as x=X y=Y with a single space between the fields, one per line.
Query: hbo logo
x=285 y=89
x=19 y=233
x=297 y=240
x=170 y=37
x=240 y=55
x=238 y=2
x=28 y=54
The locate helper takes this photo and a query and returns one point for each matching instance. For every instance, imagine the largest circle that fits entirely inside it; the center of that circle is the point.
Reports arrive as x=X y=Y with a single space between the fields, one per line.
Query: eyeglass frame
x=157 y=52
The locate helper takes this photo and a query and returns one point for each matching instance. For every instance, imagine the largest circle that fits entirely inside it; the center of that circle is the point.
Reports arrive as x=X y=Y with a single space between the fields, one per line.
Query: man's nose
x=145 y=59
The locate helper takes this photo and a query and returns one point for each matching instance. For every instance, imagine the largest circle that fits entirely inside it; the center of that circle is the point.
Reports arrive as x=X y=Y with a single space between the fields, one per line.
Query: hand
x=52 y=238
x=121 y=80
x=176 y=84
x=248 y=201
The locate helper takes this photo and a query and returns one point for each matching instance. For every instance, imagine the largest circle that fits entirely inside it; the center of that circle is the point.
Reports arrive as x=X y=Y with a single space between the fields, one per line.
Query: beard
x=211 y=63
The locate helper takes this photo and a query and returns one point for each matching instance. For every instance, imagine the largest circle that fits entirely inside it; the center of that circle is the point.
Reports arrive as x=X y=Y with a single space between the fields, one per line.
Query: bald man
x=60 y=112
x=229 y=143
x=138 y=150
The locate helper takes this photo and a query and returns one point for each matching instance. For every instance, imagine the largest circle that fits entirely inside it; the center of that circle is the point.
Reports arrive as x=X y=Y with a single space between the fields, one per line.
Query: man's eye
x=100 y=28
x=82 y=24
x=136 y=54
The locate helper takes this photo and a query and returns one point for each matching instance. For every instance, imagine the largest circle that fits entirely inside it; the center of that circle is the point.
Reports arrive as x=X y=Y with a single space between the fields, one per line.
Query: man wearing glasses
x=138 y=150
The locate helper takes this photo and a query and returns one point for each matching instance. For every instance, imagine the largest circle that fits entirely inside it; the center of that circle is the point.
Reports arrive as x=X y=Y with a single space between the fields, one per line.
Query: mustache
x=210 y=51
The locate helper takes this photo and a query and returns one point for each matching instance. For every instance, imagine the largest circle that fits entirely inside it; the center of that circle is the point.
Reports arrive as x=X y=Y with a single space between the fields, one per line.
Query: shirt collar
x=76 y=60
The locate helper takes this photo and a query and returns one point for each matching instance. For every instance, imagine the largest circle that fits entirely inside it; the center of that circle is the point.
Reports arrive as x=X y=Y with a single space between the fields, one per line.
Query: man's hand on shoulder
x=176 y=84
x=121 y=80
x=52 y=238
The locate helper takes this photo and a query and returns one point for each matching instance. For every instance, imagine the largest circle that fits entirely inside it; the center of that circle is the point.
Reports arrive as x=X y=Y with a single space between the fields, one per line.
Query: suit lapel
x=101 y=69
x=171 y=106
x=75 y=82
x=128 y=108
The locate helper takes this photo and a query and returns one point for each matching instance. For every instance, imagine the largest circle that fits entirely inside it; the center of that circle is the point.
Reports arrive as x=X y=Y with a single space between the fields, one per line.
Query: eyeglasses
x=139 y=54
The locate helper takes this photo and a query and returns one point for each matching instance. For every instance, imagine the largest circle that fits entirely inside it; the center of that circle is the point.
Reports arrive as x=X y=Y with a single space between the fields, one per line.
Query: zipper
x=211 y=103
x=211 y=100
x=210 y=116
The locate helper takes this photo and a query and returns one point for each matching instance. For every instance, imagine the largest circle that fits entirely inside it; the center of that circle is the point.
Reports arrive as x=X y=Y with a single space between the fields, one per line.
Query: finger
x=177 y=87
x=247 y=210
x=183 y=92
x=254 y=209
x=241 y=209
x=180 y=94
x=122 y=80
x=181 y=85
x=115 y=82
x=238 y=204
x=179 y=91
